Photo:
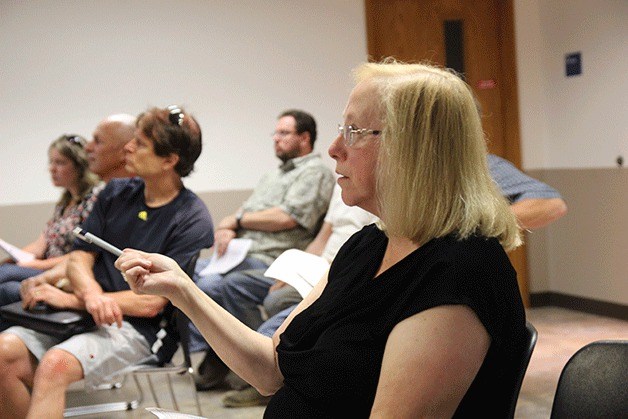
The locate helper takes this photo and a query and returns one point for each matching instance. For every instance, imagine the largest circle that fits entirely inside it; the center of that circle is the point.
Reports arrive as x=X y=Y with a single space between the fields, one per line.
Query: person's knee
x=281 y=299
x=9 y=345
x=13 y=353
x=273 y=302
x=58 y=367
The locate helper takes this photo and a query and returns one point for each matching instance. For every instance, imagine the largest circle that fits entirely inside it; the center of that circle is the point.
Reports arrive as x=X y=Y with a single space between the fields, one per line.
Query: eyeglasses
x=282 y=134
x=75 y=139
x=175 y=115
x=351 y=134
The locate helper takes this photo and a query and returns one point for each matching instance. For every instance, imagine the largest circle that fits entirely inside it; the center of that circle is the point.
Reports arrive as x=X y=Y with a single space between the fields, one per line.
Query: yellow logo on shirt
x=142 y=215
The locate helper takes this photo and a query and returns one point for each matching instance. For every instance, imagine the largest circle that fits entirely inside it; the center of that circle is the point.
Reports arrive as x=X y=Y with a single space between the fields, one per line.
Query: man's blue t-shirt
x=179 y=229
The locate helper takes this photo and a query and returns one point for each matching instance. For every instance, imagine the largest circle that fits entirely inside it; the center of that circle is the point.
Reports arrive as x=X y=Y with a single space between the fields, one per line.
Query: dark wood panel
x=413 y=31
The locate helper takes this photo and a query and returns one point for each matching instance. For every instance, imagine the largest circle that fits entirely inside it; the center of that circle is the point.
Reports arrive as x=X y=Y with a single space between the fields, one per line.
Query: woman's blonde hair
x=433 y=177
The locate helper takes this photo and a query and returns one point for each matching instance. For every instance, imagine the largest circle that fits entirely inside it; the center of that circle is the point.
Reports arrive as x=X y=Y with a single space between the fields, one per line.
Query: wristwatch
x=238 y=218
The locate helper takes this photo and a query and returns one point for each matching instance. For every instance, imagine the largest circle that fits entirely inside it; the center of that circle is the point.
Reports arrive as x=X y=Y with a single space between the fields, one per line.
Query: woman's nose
x=337 y=148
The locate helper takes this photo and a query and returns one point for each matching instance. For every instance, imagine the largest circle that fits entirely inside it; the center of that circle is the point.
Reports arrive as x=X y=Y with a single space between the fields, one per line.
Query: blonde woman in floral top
x=68 y=167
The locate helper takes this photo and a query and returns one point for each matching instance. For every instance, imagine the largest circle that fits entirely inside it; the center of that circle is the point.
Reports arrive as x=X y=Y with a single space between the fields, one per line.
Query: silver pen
x=90 y=238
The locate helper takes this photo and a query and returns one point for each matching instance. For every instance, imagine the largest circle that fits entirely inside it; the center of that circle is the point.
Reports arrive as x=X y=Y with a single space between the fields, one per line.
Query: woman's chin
x=348 y=199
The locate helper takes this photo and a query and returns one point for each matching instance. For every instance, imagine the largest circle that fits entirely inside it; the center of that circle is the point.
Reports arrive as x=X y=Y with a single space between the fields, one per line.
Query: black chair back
x=519 y=370
x=594 y=382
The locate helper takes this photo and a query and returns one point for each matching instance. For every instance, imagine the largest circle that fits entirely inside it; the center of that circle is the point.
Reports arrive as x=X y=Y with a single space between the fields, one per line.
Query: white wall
x=233 y=64
x=236 y=64
x=581 y=121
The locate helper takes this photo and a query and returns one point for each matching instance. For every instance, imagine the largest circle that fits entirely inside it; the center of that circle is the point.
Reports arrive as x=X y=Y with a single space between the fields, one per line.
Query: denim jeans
x=270 y=326
x=11 y=276
x=238 y=299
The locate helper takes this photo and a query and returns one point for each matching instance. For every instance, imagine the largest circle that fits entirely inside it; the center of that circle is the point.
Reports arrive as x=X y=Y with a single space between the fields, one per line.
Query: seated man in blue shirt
x=153 y=212
x=535 y=203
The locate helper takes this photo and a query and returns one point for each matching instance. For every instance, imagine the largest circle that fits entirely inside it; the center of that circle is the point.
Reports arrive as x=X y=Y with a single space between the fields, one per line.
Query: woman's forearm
x=248 y=353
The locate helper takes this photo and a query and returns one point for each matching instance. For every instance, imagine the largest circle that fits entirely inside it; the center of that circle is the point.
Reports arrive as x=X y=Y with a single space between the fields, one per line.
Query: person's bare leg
x=56 y=371
x=17 y=368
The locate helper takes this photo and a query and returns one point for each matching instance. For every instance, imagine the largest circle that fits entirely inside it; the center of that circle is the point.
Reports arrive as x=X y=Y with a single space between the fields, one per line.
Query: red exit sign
x=487 y=84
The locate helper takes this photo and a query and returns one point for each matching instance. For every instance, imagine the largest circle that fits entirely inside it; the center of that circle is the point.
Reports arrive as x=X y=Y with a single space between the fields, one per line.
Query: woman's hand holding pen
x=151 y=273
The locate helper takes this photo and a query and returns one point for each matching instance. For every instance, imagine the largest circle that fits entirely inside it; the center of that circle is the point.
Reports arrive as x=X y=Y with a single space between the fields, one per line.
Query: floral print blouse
x=58 y=231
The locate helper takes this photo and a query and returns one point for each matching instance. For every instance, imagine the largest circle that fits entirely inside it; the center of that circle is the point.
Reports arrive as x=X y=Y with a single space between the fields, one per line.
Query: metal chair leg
x=107 y=407
x=193 y=385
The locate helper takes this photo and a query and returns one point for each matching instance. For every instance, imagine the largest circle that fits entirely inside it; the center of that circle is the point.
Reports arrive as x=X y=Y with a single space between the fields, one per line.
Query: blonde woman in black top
x=419 y=316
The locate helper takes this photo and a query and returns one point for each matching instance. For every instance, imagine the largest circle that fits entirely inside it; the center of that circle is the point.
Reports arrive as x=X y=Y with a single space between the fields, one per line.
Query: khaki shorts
x=105 y=353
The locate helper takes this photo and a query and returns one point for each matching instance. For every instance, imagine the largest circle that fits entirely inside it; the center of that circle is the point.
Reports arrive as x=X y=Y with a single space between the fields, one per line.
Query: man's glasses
x=282 y=134
x=351 y=134
x=75 y=140
x=175 y=115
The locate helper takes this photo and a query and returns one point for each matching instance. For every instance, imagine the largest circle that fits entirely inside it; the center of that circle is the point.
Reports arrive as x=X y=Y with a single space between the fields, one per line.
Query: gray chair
x=515 y=380
x=594 y=382
x=176 y=327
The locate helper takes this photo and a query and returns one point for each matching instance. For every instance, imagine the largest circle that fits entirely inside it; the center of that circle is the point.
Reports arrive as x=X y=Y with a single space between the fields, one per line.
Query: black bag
x=61 y=324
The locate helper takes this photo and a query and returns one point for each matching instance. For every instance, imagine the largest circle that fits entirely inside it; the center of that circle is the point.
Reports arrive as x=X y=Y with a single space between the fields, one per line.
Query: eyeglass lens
x=347 y=133
x=282 y=133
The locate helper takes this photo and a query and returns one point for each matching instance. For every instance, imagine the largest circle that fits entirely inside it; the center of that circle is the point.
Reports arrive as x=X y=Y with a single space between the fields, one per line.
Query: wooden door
x=475 y=38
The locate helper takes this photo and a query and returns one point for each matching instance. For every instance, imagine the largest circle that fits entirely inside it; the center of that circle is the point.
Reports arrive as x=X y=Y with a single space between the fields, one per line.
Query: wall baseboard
x=586 y=305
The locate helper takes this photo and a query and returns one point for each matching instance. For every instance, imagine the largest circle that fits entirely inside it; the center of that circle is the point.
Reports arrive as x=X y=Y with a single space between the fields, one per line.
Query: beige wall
x=584 y=254
x=21 y=224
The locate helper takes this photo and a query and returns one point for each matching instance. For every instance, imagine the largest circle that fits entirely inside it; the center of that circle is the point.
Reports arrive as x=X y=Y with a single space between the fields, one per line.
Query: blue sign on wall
x=573 y=64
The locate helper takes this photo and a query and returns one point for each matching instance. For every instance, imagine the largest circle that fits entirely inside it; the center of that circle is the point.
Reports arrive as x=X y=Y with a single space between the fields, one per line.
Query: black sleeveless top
x=331 y=353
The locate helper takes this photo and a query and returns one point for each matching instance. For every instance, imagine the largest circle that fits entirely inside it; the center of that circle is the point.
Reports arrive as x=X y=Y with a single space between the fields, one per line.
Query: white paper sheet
x=235 y=254
x=16 y=253
x=171 y=414
x=297 y=268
